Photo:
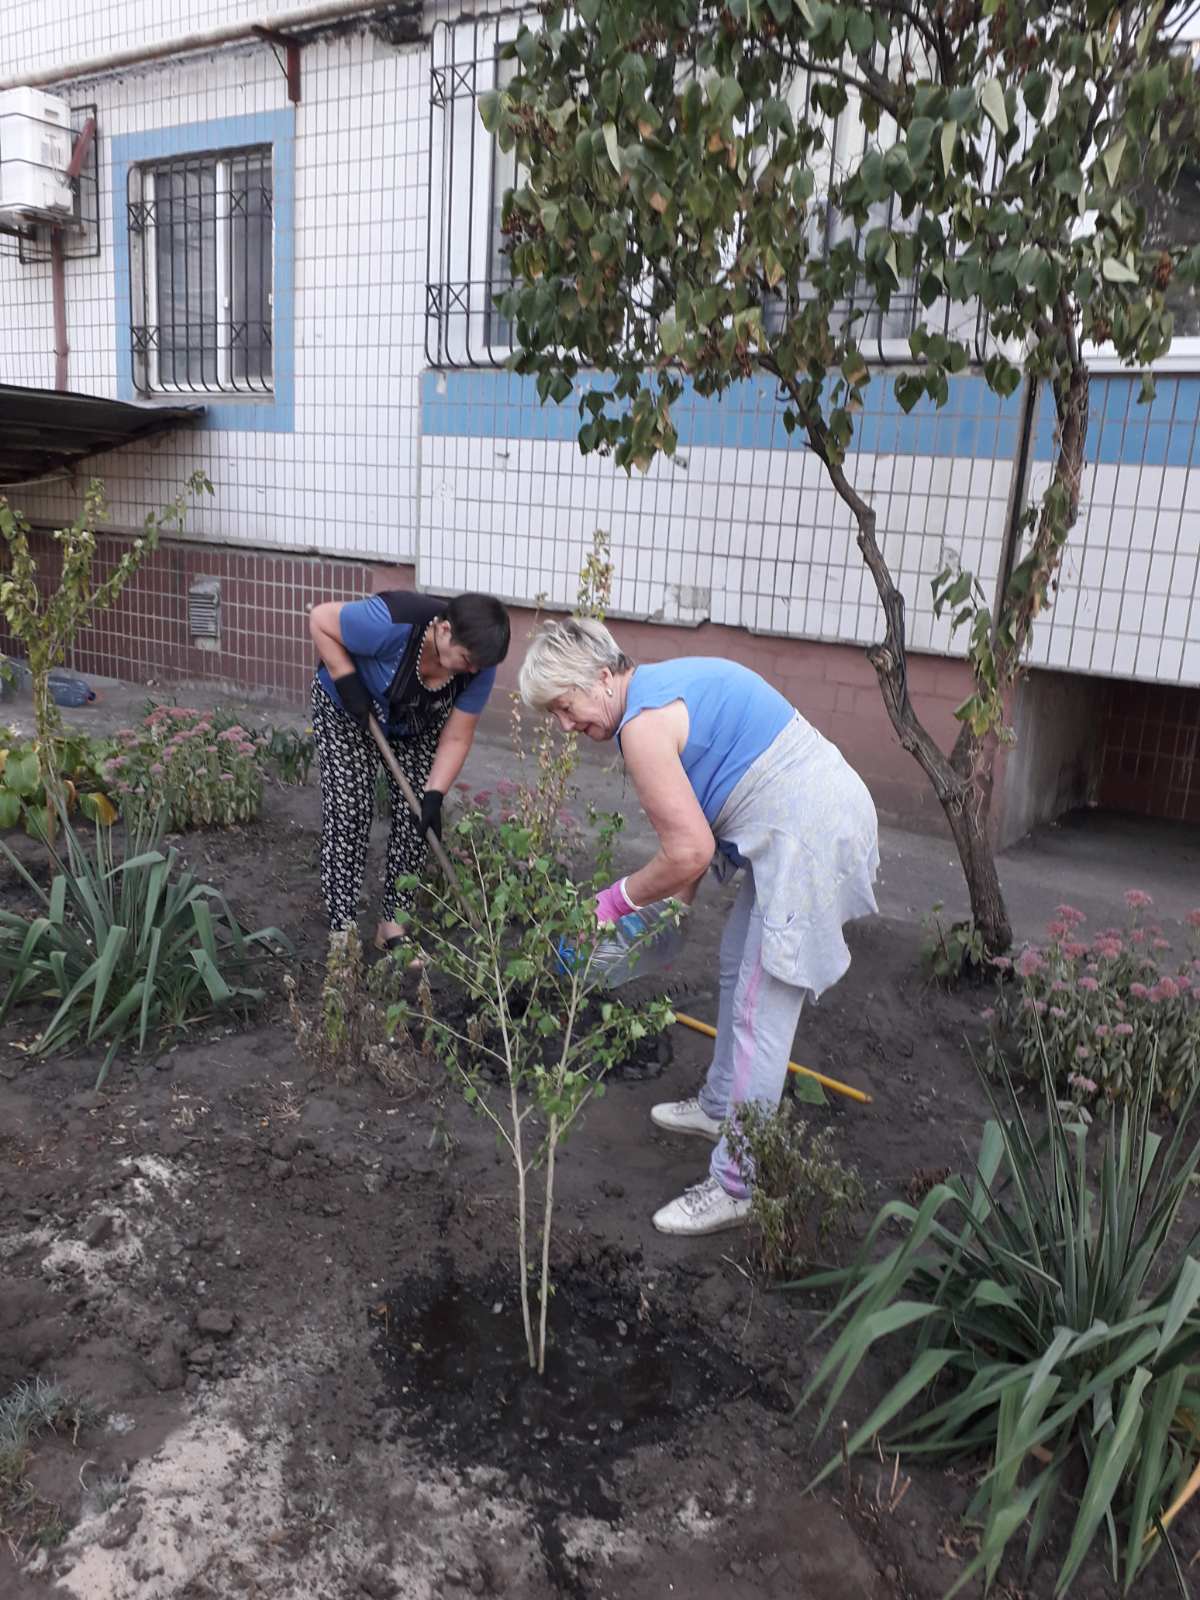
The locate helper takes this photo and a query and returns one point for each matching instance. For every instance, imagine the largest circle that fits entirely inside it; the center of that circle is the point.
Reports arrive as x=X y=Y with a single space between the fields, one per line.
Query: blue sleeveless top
x=733 y=715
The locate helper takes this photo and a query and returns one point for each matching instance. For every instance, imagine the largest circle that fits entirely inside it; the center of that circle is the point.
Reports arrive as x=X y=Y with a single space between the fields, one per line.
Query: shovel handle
x=414 y=805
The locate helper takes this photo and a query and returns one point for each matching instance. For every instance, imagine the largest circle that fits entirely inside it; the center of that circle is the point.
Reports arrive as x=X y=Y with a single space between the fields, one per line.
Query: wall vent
x=204 y=613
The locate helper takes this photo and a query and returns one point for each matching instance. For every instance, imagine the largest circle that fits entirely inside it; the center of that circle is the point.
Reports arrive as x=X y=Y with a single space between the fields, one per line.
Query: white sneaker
x=685 y=1116
x=705 y=1208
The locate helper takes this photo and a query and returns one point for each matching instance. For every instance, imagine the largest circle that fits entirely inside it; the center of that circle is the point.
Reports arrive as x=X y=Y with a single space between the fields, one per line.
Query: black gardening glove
x=431 y=812
x=355 y=698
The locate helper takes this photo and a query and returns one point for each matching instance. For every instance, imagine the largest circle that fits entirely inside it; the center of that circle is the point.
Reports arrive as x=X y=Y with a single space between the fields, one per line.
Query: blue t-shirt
x=733 y=715
x=377 y=643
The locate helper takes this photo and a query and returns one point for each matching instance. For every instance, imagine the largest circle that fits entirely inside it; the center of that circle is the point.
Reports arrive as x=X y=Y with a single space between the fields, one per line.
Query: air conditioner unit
x=35 y=151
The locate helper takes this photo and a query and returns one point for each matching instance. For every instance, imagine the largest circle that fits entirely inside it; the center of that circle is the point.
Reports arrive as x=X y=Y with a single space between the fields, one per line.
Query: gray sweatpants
x=756 y=1024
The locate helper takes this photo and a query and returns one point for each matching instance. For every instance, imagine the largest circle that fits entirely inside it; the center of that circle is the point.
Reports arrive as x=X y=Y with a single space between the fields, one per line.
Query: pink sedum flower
x=1089 y=984
x=1029 y=962
x=1123 y=1029
x=1138 y=899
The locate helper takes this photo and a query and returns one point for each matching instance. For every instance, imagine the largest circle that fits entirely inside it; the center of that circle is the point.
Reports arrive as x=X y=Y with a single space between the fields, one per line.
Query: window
x=201 y=264
x=468 y=262
x=504 y=177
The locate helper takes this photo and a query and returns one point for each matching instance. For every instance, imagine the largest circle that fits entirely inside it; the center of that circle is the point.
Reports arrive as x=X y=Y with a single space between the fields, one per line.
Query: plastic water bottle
x=641 y=943
x=68 y=690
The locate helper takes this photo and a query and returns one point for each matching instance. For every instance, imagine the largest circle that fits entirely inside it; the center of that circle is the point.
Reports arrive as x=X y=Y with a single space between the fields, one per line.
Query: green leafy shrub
x=46 y=620
x=202 y=768
x=951 y=952
x=289 y=753
x=125 y=951
x=353 y=1028
x=1104 y=1011
x=802 y=1196
x=1049 y=1324
x=80 y=762
x=532 y=1045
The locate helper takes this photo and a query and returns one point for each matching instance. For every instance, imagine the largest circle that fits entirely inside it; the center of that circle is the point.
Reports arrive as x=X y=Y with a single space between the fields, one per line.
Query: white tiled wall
x=344 y=481
x=755 y=538
x=752 y=537
x=1128 y=601
x=40 y=35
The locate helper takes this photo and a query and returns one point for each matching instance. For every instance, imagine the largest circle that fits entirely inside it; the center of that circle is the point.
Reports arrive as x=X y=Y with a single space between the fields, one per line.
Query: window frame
x=147 y=267
x=274 y=132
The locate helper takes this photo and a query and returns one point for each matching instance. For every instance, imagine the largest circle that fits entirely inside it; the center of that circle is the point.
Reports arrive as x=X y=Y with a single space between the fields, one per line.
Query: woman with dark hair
x=425 y=668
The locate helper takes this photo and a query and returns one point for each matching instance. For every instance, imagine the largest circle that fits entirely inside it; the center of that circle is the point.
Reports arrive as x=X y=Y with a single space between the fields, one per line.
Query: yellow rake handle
x=806 y=1072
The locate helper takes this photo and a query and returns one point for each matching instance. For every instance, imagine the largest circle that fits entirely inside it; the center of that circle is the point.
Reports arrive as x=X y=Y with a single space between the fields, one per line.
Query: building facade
x=297 y=229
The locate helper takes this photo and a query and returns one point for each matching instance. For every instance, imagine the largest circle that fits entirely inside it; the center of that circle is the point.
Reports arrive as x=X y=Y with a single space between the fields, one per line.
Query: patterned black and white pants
x=349 y=760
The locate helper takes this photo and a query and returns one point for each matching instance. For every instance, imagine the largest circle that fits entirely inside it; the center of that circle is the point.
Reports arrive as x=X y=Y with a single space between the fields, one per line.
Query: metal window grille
x=201 y=264
x=468 y=263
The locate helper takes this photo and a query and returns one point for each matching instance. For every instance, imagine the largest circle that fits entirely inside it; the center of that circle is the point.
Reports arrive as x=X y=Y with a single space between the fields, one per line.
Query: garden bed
x=279 y=1296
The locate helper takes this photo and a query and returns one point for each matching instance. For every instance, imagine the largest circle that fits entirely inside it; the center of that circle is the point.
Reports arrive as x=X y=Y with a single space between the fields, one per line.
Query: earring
x=608 y=692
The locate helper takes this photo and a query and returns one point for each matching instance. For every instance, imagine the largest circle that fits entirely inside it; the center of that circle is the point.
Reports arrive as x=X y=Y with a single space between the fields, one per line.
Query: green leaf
x=612 y=146
x=918 y=1377
x=22 y=774
x=807 y=1090
x=1114 y=271
x=1108 y=1467
x=10 y=808
x=860 y=32
x=670 y=337
x=105 y=968
x=1111 y=158
x=1035 y=89
x=920 y=139
x=948 y=139
x=992 y=104
x=489 y=109
x=1181 y=1305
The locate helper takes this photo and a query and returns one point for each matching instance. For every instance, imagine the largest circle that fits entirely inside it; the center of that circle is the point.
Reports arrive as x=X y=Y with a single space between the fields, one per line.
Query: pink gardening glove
x=613 y=903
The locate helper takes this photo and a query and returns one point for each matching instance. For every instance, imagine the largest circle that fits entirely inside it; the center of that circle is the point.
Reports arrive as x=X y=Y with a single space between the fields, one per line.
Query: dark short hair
x=479 y=623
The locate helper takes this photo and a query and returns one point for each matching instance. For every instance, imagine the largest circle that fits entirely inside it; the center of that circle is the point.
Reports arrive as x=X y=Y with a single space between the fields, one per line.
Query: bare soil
x=292 y=1305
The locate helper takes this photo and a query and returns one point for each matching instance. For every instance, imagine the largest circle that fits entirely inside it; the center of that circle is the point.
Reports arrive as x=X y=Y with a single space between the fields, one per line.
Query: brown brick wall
x=1151 y=757
x=264 y=642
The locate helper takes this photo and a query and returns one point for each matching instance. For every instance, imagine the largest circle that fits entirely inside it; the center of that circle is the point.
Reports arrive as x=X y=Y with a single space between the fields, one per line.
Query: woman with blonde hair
x=730 y=775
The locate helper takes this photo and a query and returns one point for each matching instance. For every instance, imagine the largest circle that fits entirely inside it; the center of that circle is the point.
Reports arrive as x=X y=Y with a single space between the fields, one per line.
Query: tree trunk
x=48 y=724
x=969 y=825
x=962 y=783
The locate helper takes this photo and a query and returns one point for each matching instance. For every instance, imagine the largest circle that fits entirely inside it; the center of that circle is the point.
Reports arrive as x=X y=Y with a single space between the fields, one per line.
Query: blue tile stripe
x=272 y=413
x=975 y=422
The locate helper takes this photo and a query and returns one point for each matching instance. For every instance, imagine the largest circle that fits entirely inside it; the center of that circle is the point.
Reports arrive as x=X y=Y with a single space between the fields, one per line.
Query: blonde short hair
x=567 y=655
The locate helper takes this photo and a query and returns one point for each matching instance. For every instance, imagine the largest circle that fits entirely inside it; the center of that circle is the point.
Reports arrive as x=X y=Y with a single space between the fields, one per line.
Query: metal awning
x=44 y=430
